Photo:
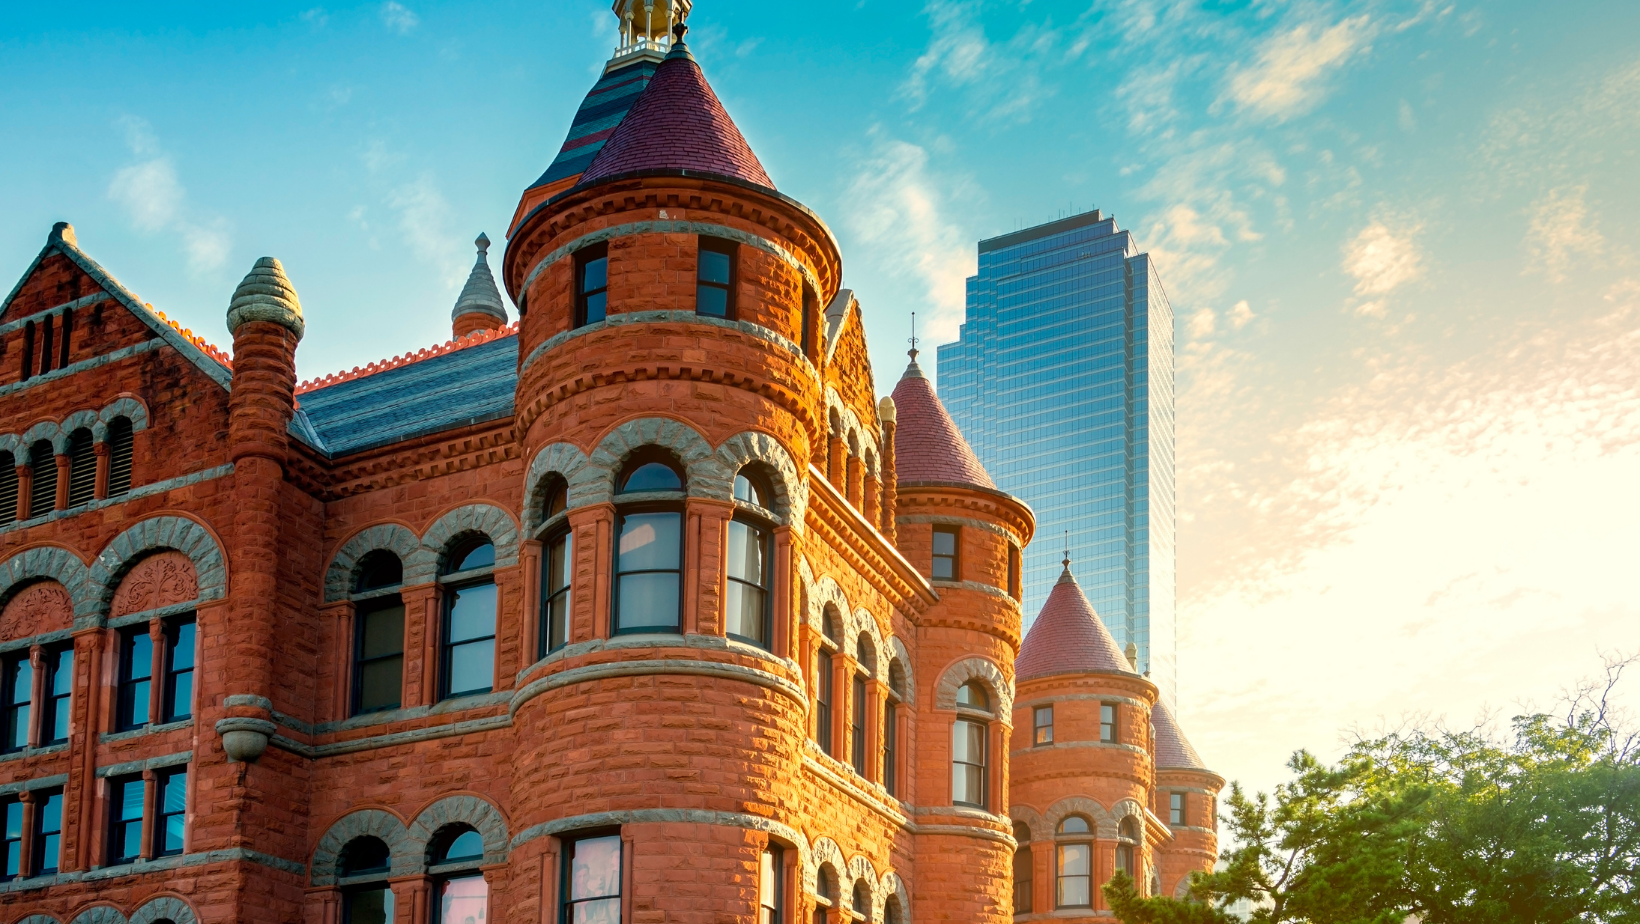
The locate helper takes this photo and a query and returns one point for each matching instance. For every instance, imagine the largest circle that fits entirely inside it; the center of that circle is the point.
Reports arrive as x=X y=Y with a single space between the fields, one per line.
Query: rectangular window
x=469 y=639
x=125 y=822
x=179 y=669
x=1043 y=725
x=18 y=697
x=372 y=904
x=48 y=831
x=649 y=572
x=858 y=742
x=378 y=674
x=771 y=897
x=59 y=687
x=555 y=595
x=11 y=814
x=945 y=553
x=891 y=736
x=968 y=763
x=751 y=574
x=591 y=888
x=1015 y=589
x=1075 y=875
x=136 y=676
x=591 y=284
x=806 y=335
x=1107 y=722
x=822 y=705
x=462 y=899
x=171 y=811
x=714 y=289
x=1175 y=808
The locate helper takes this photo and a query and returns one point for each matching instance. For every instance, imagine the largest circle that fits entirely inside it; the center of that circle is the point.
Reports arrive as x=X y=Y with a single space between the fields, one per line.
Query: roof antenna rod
x=1067 y=550
x=913 y=351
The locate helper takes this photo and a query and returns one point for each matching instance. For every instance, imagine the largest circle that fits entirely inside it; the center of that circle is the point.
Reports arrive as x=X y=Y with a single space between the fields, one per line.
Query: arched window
x=969 y=736
x=121 y=444
x=467 y=664
x=42 y=461
x=557 y=565
x=8 y=487
x=1127 y=847
x=824 y=678
x=891 y=726
x=862 y=901
x=363 y=868
x=749 y=596
x=461 y=894
x=866 y=655
x=378 y=633
x=28 y=351
x=771 y=889
x=828 y=891
x=82 y=467
x=1022 y=868
x=649 y=552
x=1074 y=846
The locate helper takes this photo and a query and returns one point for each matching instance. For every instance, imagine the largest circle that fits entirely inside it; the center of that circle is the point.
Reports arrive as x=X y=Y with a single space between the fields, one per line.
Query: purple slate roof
x=1173 y=752
x=927 y=444
x=677 y=123
x=1068 y=637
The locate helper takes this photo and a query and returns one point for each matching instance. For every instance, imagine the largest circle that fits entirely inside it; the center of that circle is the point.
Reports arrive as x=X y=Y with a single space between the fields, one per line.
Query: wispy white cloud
x=316 y=17
x=423 y=218
x=1003 y=80
x=1290 y=73
x=1382 y=260
x=1241 y=314
x=1561 y=229
x=399 y=18
x=155 y=201
x=149 y=192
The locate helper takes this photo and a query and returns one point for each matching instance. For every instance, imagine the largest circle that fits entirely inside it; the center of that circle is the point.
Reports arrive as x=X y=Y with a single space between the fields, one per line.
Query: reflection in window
x=11 y=848
x=48 y=831
x=1075 y=875
x=379 y=655
x=19 y=694
x=771 y=898
x=714 y=290
x=1107 y=722
x=591 y=284
x=125 y=828
x=555 y=591
x=1042 y=721
x=945 y=553
x=171 y=803
x=592 y=881
x=463 y=900
x=179 y=669
x=1127 y=847
x=370 y=902
x=468 y=663
x=649 y=572
x=968 y=763
x=136 y=675
x=747 y=606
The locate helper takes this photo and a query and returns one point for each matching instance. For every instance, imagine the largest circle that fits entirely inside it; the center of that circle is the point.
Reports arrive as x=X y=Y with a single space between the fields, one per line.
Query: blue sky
x=1399 y=238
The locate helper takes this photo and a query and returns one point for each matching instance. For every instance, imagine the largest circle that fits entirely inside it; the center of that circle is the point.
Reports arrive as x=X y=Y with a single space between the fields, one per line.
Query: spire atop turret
x=479 y=306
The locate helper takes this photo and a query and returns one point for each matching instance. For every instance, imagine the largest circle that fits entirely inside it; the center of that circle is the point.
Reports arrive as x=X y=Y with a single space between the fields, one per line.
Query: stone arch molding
x=56 y=564
x=826 y=592
x=99 y=914
x=406 y=861
x=791 y=489
x=97 y=421
x=1104 y=824
x=153 y=535
x=866 y=624
x=39 y=919
x=389 y=536
x=471 y=810
x=488 y=519
x=867 y=432
x=586 y=483
x=1041 y=828
x=824 y=851
x=165 y=908
x=945 y=694
x=706 y=475
x=900 y=654
x=894 y=887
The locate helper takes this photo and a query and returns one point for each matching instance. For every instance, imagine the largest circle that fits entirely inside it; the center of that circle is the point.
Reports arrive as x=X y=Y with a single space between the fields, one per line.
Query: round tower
x=1187 y=798
x=966 y=536
x=1083 y=767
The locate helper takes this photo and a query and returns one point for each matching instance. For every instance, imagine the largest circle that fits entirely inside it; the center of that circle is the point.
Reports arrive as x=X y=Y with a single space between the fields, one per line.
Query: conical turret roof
x=928 y=447
x=480 y=294
x=1173 y=750
x=1068 y=637
x=677 y=124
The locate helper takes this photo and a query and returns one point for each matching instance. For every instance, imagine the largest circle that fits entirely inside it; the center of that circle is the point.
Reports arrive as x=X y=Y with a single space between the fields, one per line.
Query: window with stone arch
x=862 y=902
x=362 y=869
x=865 y=655
x=970 y=738
x=1073 y=849
x=378 y=633
x=891 y=911
x=42 y=463
x=82 y=467
x=827 y=891
x=891 y=726
x=8 y=487
x=557 y=567
x=1024 y=869
x=825 y=679
x=460 y=893
x=121 y=450
x=749 y=573
x=467 y=639
x=1127 y=846
x=648 y=591
x=156 y=656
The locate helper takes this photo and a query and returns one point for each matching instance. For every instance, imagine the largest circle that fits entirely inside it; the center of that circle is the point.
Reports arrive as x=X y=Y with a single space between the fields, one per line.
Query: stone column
x=100 y=449
x=62 y=481
x=886 y=411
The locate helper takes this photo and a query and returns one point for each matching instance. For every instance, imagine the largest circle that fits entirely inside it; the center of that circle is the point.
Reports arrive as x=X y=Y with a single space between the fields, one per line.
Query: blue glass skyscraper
x=1062 y=381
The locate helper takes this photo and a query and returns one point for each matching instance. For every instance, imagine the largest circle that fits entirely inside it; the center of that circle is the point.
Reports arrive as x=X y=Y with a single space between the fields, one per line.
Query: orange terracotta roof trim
x=473 y=339
x=205 y=346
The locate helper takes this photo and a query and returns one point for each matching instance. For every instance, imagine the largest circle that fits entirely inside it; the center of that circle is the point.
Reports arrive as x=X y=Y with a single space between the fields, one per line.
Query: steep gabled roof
x=677 y=124
x=1173 y=751
x=1068 y=637
x=928 y=447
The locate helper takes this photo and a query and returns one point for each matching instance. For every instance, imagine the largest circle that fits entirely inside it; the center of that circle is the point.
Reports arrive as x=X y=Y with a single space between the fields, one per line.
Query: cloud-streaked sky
x=1399 y=238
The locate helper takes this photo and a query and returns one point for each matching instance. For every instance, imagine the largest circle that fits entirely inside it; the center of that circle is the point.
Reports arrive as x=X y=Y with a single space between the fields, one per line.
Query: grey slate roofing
x=464 y=387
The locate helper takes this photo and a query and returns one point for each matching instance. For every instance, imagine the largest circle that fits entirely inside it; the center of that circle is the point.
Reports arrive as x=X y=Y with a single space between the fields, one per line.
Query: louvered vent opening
x=8 y=487
x=119 y=457
x=82 y=468
x=43 y=493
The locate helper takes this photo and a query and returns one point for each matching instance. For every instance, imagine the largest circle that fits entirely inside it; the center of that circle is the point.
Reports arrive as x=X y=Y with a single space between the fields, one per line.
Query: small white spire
x=480 y=295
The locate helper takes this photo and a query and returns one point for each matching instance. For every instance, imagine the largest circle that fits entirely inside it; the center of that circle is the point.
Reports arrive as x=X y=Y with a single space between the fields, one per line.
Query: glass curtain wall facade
x=1062 y=381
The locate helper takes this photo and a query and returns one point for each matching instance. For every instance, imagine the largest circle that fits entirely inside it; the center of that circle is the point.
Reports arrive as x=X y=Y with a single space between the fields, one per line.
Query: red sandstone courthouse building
x=643 y=609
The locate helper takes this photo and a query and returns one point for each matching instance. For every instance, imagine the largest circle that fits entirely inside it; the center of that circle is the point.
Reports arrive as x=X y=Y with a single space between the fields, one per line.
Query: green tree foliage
x=1537 y=825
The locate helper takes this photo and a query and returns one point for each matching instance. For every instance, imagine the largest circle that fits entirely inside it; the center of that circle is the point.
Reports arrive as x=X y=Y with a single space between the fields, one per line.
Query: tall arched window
x=28 y=351
x=467 y=665
x=824 y=677
x=363 y=868
x=749 y=592
x=891 y=726
x=8 y=487
x=827 y=891
x=1074 y=846
x=649 y=552
x=862 y=902
x=968 y=744
x=121 y=444
x=42 y=462
x=771 y=888
x=460 y=892
x=1127 y=847
x=82 y=467
x=1023 y=869
x=866 y=656
x=378 y=633
x=557 y=565
x=891 y=911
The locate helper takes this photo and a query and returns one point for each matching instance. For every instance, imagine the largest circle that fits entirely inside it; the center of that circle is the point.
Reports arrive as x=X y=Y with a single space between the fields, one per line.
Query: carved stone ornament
x=38 y=608
x=244 y=739
x=163 y=579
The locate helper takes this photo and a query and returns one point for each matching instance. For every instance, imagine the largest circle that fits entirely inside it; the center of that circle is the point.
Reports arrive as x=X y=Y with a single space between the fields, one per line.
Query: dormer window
x=714 y=290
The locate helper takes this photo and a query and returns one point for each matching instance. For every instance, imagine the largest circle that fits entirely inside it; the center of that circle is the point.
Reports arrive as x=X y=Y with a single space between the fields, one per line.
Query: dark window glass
x=366 y=904
x=771 y=892
x=973 y=695
x=1107 y=722
x=751 y=579
x=555 y=591
x=714 y=293
x=592 y=881
x=1175 y=808
x=651 y=476
x=136 y=675
x=179 y=669
x=822 y=704
x=371 y=904
x=945 y=553
x=1014 y=588
x=11 y=815
x=462 y=900
x=42 y=460
x=379 y=570
x=1024 y=871
x=125 y=828
x=82 y=468
x=857 y=743
x=463 y=845
x=19 y=697
x=378 y=673
x=68 y=333
x=59 y=687
x=120 y=446
x=480 y=555
x=648 y=572
x=891 y=737
x=557 y=500
x=48 y=831
x=469 y=639
x=1043 y=723
x=28 y=351
x=591 y=284
x=8 y=487
x=968 y=763
x=1075 y=875
x=806 y=335
x=364 y=855
x=1126 y=851
x=47 y=330
x=171 y=806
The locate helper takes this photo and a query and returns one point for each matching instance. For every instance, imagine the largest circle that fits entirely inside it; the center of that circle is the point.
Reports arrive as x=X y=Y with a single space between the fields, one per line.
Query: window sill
x=43 y=750
x=111 y=737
